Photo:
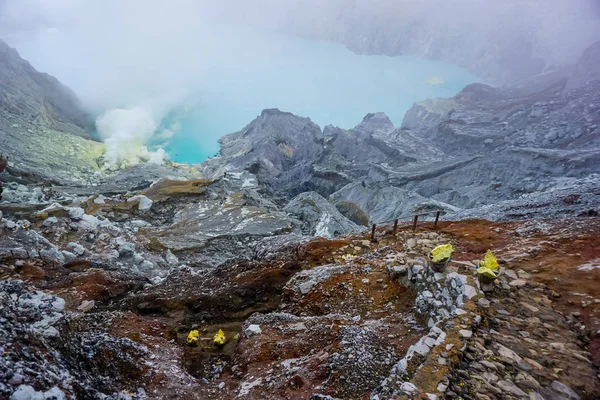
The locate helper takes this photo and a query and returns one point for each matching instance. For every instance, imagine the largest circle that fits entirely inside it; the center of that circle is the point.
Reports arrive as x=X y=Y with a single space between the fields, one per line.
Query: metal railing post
x=437 y=218
x=395 y=227
x=373 y=233
x=415 y=222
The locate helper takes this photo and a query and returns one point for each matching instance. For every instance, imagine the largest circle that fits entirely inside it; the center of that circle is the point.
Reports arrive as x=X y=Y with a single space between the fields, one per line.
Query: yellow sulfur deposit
x=219 y=338
x=193 y=337
x=441 y=253
x=487 y=272
x=489 y=261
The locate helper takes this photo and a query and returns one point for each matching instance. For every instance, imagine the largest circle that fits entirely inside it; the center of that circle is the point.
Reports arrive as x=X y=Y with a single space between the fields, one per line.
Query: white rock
x=518 y=283
x=307 y=286
x=76 y=213
x=144 y=203
x=531 y=308
x=89 y=222
x=465 y=333
x=50 y=221
x=511 y=274
x=252 y=330
x=422 y=349
x=171 y=258
x=146 y=265
x=508 y=353
x=76 y=248
x=68 y=256
x=100 y=200
x=470 y=291
x=126 y=249
x=408 y=387
x=26 y=392
x=86 y=305
x=483 y=303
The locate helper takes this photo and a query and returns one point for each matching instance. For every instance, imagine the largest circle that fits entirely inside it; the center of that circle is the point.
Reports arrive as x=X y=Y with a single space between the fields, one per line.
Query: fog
x=132 y=61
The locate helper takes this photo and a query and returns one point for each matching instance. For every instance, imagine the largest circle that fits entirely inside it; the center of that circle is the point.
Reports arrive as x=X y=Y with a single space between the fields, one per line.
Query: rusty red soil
x=563 y=254
x=160 y=317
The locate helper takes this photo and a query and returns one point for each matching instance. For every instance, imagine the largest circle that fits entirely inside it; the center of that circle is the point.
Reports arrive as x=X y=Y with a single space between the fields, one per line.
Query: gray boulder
x=319 y=217
x=384 y=202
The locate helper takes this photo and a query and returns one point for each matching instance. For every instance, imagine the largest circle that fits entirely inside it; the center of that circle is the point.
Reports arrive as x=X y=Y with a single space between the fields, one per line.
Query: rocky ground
x=98 y=301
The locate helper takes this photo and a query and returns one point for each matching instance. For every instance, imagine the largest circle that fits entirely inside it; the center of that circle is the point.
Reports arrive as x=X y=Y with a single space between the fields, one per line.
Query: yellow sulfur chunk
x=192 y=338
x=489 y=261
x=219 y=338
x=441 y=253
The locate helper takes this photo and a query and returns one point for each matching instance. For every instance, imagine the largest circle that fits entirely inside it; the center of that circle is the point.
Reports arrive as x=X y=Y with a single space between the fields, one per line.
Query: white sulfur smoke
x=126 y=133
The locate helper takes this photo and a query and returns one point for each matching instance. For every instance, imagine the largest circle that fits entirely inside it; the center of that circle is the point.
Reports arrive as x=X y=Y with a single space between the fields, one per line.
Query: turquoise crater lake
x=320 y=80
x=215 y=79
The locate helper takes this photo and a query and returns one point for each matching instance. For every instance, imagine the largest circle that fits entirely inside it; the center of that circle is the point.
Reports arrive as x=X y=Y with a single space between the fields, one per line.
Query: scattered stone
x=86 y=306
x=252 y=330
x=465 y=333
x=483 y=303
x=50 y=221
x=76 y=213
x=144 y=203
x=100 y=199
x=511 y=388
x=559 y=391
x=171 y=258
x=511 y=274
x=529 y=307
x=126 y=250
x=307 y=286
x=470 y=291
x=508 y=353
x=76 y=248
x=518 y=283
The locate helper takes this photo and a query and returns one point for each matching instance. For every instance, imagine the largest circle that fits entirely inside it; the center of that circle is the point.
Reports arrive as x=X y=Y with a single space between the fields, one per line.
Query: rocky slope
x=43 y=130
x=483 y=146
x=314 y=319
x=39 y=98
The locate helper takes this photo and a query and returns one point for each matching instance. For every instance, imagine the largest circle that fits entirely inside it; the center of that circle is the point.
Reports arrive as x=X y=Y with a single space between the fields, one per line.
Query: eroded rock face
x=449 y=153
x=320 y=218
x=384 y=203
x=277 y=147
x=43 y=129
x=38 y=97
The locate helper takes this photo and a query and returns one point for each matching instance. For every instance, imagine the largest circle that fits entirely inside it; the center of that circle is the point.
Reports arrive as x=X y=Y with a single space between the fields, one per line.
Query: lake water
x=320 y=80
x=230 y=74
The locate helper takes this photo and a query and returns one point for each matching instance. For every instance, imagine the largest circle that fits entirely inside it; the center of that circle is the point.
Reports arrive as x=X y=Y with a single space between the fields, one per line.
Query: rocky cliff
x=43 y=129
x=39 y=98
x=480 y=147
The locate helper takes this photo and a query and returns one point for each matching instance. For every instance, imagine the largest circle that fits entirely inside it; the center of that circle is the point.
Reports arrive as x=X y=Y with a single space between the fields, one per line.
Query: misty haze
x=300 y=199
